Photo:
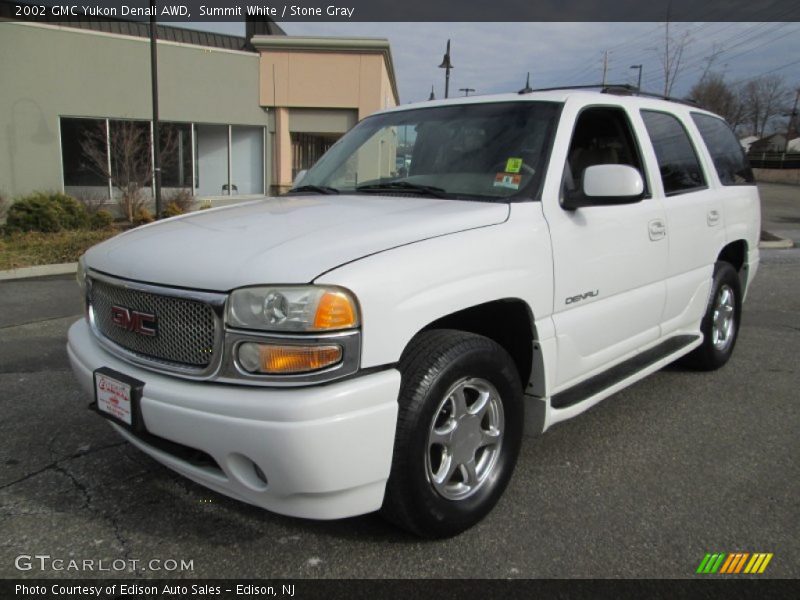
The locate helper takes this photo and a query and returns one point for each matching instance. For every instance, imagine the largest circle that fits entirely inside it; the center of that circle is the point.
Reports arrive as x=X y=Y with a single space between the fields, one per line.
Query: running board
x=594 y=385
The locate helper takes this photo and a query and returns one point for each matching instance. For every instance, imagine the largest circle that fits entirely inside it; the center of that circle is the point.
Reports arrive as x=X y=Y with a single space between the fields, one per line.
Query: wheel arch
x=735 y=254
x=510 y=323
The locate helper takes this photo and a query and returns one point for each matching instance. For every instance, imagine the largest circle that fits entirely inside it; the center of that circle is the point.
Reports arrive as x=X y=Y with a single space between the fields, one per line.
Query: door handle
x=656 y=229
x=712 y=218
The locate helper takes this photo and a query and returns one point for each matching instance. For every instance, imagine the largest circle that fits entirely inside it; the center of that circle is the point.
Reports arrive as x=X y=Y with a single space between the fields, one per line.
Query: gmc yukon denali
x=448 y=276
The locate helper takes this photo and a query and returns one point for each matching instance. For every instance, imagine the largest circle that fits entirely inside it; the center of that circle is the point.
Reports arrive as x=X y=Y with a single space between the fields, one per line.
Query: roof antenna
x=527 y=89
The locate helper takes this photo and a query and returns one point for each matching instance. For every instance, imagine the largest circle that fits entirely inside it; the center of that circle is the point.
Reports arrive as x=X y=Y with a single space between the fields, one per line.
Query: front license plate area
x=117 y=397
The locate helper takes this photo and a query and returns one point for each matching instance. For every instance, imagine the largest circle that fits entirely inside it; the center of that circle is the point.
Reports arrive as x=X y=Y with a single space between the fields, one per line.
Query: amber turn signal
x=271 y=359
x=335 y=310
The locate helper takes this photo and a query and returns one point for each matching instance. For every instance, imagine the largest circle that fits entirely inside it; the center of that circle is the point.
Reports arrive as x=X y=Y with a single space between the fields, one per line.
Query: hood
x=281 y=240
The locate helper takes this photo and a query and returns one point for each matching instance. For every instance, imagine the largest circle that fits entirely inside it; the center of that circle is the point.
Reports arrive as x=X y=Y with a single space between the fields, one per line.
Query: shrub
x=47 y=212
x=172 y=210
x=3 y=206
x=182 y=199
x=92 y=202
x=142 y=216
x=102 y=219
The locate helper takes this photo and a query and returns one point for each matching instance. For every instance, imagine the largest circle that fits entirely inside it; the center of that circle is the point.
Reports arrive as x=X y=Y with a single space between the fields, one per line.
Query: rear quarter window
x=729 y=159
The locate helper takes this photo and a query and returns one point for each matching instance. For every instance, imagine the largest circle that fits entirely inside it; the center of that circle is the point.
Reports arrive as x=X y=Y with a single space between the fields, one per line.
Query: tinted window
x=677 y=160
x=729 y=159
x=78 y=138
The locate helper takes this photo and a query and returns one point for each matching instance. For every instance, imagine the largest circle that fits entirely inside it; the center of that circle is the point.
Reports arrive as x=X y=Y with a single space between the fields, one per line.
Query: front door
x=609 y=261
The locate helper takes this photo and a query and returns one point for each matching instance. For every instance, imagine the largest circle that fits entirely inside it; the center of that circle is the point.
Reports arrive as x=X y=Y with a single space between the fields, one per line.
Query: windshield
x=471 y=151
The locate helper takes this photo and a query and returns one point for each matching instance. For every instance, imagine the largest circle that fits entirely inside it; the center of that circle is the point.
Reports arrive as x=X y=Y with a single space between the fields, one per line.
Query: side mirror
x=299 y=177
x=607 y=184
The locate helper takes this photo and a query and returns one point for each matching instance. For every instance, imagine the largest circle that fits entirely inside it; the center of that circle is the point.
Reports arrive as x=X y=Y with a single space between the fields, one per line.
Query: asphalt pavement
x=643 y=485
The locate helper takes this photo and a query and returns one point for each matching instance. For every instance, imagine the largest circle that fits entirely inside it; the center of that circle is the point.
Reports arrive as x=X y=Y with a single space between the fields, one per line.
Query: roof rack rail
x=618 y=89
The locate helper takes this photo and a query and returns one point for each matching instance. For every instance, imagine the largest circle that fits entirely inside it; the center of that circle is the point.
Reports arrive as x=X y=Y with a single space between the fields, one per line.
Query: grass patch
x=34 y=248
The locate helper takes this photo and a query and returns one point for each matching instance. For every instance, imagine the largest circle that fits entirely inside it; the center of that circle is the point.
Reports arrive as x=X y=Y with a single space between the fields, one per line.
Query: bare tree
x=764 y=98
x=672 y=56
x=130 y=167
x=713 y=93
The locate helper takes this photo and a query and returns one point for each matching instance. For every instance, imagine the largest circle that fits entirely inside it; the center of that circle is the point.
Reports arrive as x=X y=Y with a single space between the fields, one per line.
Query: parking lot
x=643 y=485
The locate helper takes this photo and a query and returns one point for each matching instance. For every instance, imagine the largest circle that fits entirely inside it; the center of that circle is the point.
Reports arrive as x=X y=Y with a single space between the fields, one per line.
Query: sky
x=495 y=57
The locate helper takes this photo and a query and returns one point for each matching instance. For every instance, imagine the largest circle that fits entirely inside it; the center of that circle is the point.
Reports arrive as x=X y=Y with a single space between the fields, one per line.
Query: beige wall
x=357 y=80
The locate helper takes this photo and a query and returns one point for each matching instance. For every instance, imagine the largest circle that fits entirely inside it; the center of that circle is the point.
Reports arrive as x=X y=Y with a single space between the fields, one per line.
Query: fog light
x=274 y=359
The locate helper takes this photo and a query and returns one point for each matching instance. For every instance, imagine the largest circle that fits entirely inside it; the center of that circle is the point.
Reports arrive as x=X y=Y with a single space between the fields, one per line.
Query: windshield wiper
x=320 y=189
x=403 y=186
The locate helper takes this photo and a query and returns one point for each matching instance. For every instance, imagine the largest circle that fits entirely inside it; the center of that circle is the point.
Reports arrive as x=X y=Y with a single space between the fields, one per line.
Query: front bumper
x=326 y=451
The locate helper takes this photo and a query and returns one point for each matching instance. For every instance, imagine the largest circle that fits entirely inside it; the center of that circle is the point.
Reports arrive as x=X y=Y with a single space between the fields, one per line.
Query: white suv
x=446 y=276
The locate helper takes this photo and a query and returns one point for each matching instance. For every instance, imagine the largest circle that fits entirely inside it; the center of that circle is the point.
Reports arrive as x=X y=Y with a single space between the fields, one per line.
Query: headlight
x=292 y=308
x=80 y=274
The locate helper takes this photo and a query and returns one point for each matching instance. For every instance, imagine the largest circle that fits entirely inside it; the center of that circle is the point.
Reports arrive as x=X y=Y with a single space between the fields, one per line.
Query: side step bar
x=606 y=379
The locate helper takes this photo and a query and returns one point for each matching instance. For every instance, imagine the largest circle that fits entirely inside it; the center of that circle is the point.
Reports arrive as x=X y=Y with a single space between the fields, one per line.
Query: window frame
x=692 y=144
x=637 y=148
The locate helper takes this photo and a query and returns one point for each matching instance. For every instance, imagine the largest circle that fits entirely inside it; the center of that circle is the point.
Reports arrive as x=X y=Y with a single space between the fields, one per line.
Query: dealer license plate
x=114 y=397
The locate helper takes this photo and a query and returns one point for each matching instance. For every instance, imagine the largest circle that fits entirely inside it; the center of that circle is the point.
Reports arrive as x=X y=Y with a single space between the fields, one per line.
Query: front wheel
x=720 y=325
x=458 y=434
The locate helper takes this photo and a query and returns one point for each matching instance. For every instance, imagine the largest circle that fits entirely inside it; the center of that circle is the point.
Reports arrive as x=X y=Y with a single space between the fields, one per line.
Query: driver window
x=602 y=136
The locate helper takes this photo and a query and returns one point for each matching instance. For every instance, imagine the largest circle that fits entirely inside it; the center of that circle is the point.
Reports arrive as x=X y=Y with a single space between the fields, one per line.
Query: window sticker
x=508 y=180
x=513 y=165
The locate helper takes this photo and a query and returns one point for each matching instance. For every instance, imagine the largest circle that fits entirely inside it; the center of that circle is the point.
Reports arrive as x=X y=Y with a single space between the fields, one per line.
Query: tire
x=720 y=325
x=460 y=396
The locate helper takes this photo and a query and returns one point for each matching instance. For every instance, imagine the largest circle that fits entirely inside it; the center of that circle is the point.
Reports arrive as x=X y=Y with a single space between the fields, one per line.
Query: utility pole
x=447 y=65
x=792 y=118
x=605 y=67
x=154 y=85
x=639 y=81
x=466 y=90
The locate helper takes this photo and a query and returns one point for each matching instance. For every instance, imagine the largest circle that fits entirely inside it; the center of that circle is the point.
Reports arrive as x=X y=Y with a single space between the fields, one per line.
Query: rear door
x=609 y=261
x=694 y=217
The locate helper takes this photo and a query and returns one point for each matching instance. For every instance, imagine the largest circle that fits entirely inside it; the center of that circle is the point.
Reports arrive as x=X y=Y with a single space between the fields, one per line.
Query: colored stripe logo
x=734 y=563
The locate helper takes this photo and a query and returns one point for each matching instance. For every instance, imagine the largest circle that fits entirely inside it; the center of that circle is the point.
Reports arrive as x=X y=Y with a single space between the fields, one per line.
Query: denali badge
x=134 y=320
x=579 y=297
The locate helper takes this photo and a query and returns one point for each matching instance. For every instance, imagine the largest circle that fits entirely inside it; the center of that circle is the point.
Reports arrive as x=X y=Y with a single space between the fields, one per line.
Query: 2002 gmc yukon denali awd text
x=447 y=275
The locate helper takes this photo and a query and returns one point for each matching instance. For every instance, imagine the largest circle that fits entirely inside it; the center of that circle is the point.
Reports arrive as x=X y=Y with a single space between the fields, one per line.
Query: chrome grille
x=186 y=328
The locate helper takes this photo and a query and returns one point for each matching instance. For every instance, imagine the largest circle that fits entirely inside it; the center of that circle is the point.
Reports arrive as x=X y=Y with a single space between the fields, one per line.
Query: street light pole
x=154 y=85
x=447 y=65
x=639 y=81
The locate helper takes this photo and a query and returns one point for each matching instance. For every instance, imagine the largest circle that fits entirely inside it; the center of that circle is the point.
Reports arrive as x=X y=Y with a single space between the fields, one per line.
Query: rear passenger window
x=729 y=159
x=677 y=159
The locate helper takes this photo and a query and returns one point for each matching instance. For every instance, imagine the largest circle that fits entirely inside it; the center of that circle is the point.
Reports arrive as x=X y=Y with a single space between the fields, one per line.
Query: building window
x=211 y=160
x=307 y=148
x=225 y=159
x=79 y=169
x=247 y=159
x=176 y=155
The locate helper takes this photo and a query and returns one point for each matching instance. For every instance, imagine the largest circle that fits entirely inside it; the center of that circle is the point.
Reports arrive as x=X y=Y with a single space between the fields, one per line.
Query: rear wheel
x=720 y=325
x=458 y=434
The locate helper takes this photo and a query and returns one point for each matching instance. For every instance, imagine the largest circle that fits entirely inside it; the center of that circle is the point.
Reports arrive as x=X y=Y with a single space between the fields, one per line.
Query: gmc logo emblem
x=134 y=320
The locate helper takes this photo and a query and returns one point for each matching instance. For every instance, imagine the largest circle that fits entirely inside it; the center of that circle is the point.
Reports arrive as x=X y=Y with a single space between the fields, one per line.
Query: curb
x=771 y=241
x=39 y=271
